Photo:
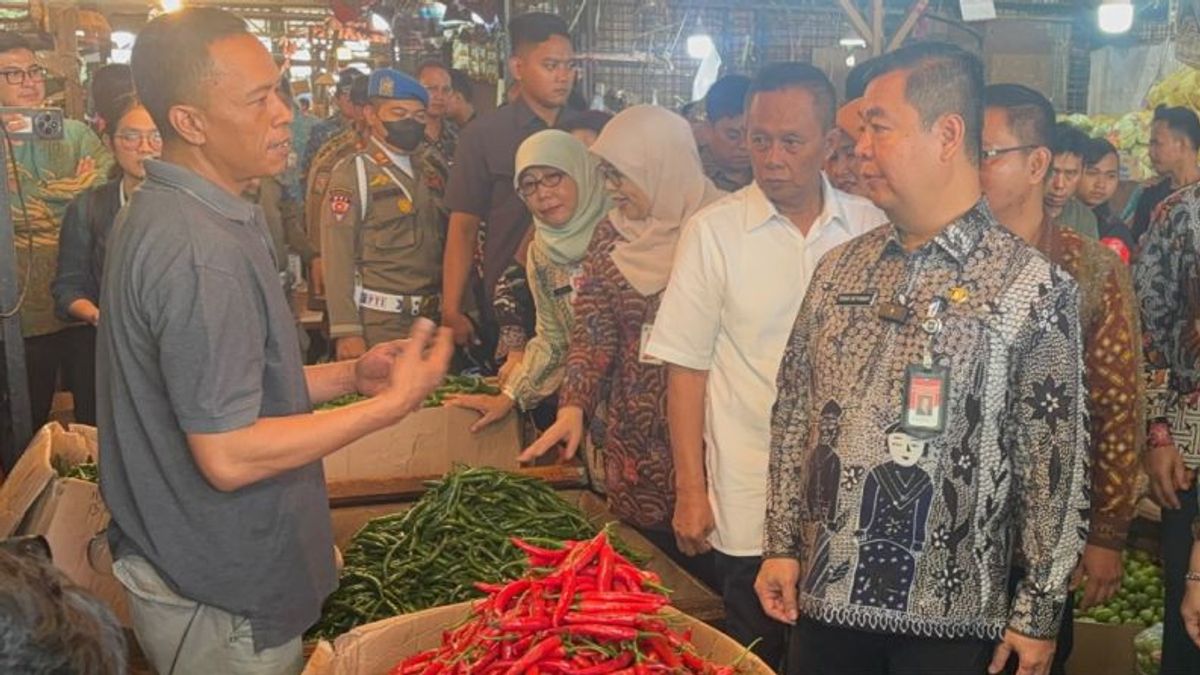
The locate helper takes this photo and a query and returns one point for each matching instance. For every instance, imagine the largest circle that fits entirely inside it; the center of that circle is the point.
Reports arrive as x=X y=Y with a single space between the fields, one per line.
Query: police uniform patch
x=405 y=206
x=380 y=180
x=339 y=203
x=387 y=88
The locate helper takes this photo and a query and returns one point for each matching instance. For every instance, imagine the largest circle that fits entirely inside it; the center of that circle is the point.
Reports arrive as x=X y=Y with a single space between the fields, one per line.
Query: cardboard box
x=1103 y=649
x=376 y=648
x=422 y=446
x=690 y=594
x=68 y=512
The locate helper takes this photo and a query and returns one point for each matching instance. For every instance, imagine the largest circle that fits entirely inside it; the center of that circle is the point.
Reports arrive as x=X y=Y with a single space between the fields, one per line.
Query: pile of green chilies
x=86 y=470
x=455 y=385
x=457 y=534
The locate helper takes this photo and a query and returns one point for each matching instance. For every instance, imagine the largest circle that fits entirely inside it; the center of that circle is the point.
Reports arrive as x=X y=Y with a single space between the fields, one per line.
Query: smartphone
x=33 y=124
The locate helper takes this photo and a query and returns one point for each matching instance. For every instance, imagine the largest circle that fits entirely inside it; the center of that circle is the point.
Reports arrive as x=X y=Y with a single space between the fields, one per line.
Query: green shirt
x=1075 y=216
x=542 y=369
x=48 y=182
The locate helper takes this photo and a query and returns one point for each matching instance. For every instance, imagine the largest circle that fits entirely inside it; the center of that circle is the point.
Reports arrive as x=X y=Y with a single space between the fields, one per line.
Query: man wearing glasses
x=49 y=175
x=1018 y=137
x=382 y=223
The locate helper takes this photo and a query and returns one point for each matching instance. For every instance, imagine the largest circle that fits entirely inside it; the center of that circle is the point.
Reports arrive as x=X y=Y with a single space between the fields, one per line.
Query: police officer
x=347 y=142
x=383 y=224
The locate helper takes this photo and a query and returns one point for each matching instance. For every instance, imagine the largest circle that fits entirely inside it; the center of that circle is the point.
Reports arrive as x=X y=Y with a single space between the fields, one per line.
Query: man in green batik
x=49 y=174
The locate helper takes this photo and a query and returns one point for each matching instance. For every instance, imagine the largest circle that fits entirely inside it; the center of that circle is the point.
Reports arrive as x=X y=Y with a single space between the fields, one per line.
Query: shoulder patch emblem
x=339 y=203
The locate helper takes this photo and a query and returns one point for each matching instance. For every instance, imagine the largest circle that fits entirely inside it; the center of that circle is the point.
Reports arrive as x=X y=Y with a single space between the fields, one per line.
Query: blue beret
x=389 y=83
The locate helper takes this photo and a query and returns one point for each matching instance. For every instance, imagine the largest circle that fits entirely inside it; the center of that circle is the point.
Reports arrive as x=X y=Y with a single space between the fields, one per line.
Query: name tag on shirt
x=862 y=299
x=643 y=357
x=925 y=394
x=563 y=290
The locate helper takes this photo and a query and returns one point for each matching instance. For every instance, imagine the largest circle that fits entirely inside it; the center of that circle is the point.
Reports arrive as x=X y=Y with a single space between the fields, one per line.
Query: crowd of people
x=883 y=374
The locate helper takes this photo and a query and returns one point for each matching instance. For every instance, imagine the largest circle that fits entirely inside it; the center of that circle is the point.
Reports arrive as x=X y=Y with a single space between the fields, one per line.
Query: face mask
x=404 y=135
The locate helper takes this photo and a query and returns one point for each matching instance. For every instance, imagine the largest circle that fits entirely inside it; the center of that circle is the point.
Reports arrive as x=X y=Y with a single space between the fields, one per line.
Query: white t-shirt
x=740 y=274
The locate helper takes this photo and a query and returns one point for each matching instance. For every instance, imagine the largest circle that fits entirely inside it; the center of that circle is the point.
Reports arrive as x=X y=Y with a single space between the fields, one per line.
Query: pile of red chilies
x=583 y=609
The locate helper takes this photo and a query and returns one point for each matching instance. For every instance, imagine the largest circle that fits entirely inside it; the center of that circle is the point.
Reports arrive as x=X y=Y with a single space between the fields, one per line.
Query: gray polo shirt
x=197 y=337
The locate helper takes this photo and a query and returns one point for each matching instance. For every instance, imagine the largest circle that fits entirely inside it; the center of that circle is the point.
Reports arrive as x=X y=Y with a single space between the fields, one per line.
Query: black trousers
x=820 y=649
x=1066 y=633
x=745 y=620
x=1180 y=656
x=70 y=352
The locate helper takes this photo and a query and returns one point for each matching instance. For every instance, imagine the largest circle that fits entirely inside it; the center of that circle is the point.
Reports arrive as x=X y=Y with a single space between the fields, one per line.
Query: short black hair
x=171 y=58
x=1180 y=120
x=346 y=77
x=1096 y=150
x=1030 y=115
x=858 y=77
x=11 y=41
x=592 y=120
x=793 y=74
x=1068 y=140
x=534 y=28
x=943 y=79
x=726 y=98
x=358 y=90
x=461 y=83
x=112 y=111
x=108 y=83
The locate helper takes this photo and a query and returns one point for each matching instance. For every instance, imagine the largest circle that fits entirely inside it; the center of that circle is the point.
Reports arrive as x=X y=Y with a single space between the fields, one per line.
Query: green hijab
x=559 y=150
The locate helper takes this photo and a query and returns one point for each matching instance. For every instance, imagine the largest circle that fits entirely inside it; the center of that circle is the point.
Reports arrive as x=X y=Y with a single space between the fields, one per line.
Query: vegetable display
x=457 y=534
x=582 y=609
x=1147 y=646
x=1140 y=598
x=455 y=385
x=86 y=470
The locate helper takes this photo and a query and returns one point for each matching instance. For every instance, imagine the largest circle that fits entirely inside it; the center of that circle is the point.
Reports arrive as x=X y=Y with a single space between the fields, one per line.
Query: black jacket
x=85 y=227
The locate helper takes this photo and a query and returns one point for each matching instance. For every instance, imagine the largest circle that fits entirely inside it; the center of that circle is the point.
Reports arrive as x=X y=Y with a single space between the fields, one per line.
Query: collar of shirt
x=402 y=162
x=526 y=118
x=207 y=192
x=957 y=240
x=760 y=210
x=122 y=198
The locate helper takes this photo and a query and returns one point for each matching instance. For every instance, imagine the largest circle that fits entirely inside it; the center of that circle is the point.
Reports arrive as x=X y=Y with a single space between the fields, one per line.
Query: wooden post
x=877 y=13
x=64 y=21
x=857 y=20
x=914 y=13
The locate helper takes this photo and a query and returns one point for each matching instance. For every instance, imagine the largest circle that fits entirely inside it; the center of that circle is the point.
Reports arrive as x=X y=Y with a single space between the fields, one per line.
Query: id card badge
x=643 y=357
x=926 y=391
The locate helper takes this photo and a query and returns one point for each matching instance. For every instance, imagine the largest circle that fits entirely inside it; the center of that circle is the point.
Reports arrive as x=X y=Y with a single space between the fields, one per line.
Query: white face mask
x=904 y=449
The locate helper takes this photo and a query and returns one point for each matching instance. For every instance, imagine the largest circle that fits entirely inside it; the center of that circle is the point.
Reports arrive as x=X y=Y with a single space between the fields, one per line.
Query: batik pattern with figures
x=1167 y=279
x=603 y=364
x=913 y=534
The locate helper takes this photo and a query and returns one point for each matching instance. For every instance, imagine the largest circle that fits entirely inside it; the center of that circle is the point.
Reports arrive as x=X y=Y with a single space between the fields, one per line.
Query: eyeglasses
x=17 y=77
x=611 y=174
x=996 y=152
x=530 y=184
x=133 y=139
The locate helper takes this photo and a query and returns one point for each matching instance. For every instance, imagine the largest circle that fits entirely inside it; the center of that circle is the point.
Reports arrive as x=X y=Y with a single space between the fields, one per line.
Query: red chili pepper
x=612 y=665
x=525 y=625
x=538 y=551
x=659 y=646
x=694 y=662
x=511 y=590
x=604 y=576
x=635 y=597
x=564 y=599
x=581 y=556
x=536 y=653
x=629 y=576
x=631 y=620
x=641 y=669
x=590 y=606
x=601 y=631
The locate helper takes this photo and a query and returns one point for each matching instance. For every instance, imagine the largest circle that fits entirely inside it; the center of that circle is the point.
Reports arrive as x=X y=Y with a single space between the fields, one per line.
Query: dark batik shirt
x=925 y=548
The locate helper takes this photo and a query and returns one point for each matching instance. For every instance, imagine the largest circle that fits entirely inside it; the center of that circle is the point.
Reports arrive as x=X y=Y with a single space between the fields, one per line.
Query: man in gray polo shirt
x=212 y=472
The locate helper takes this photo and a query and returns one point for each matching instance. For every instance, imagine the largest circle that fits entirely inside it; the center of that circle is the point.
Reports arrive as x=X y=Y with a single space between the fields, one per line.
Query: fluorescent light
x=380 y=24
x=852 y=42
x=700 y=45
x=171 y=5
x=343 y=54
x=1115 y=16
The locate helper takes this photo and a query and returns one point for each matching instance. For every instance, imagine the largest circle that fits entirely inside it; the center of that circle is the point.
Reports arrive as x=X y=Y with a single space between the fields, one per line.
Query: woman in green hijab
x=562 y=186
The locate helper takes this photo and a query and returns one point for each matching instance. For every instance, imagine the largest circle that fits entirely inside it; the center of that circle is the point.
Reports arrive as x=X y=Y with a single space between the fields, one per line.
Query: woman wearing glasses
x=561 y=185
x=131 y=136
x=653 y=174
